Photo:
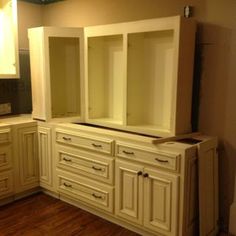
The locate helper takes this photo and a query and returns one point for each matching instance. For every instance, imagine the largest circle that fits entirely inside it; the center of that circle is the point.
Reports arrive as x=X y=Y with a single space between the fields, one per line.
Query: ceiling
x=41 y=1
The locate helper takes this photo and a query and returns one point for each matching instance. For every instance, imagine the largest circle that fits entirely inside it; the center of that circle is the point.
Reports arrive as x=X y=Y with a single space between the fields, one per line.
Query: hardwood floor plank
x=42 y=215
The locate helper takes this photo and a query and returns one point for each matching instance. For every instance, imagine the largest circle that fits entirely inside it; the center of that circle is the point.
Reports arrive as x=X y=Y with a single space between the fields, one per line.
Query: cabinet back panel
x=65 y=76
x=105 y=77
x=150 y=78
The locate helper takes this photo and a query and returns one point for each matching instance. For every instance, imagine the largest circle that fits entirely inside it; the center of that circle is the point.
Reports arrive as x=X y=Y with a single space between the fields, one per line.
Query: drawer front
x=94 y=166
x=85 y=141
x=169 y=161
x=5 y=135
x=5 y=157
x=91 y=192
x=6 y=183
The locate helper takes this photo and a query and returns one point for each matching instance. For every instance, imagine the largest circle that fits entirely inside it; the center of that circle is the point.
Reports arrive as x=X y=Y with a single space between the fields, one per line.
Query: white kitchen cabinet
x=46 y=168
x=161 y=192
x=56 y=72
x=147 y=196
x=6 y=162
x=138 y=75
x=26 y=157
x=9 y=53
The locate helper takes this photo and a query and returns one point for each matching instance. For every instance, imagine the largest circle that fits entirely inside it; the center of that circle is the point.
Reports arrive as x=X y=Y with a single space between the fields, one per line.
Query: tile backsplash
x=18 y=91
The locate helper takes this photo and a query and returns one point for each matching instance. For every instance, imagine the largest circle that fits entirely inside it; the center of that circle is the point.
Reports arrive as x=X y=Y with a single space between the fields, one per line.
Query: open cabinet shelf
x=105 y=75
x=139 y=75
x=56 y=71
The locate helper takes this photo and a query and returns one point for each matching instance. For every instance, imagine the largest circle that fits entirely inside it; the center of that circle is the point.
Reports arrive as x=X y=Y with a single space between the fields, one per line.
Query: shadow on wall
x=217 y=114
x=18 y=91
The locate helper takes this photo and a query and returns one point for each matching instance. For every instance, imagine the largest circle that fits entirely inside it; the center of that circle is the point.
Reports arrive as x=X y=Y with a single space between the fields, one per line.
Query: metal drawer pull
x=67 y=185
x=163 y=161
x=66 y=139
x=66 y=159
x=96 y=196
x=97 y=168
x=97 y=145
x=128 y=153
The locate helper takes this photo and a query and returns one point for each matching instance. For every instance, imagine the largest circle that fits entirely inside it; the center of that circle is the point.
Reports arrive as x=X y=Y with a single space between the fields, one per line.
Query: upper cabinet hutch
x=134 y=76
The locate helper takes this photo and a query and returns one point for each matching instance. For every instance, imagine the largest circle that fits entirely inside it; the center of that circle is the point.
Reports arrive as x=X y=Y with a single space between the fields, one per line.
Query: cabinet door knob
x=139 y=173
x=145 y=175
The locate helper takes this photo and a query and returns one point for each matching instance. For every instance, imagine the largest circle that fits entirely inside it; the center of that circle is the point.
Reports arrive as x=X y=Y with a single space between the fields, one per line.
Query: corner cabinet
x=138 y=75
x=9 y=55
x=56 y=72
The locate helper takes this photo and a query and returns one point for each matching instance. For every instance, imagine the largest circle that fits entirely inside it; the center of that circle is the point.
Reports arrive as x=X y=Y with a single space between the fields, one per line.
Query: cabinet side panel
x=185 y=76
x=37 y=73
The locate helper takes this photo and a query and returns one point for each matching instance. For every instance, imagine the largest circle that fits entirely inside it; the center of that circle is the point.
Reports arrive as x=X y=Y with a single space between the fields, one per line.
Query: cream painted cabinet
x=129 y=191
x=9 y=55
x=45 y=157
x=138 y=75
x=6 y=162
x=56 y=72
x=26 y=157
x=147 y=196
x=161 y=191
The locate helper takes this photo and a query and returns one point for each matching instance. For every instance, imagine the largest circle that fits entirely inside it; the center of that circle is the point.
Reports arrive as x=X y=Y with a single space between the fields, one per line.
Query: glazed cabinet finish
x=6 y=162
x=129 y=191
x=147 y=197
x=27 y=158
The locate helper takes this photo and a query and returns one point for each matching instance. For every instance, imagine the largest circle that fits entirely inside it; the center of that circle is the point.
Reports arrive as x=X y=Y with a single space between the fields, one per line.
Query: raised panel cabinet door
x=28 y=157
x=129 y=181
x=45 y=156
x=161 y=192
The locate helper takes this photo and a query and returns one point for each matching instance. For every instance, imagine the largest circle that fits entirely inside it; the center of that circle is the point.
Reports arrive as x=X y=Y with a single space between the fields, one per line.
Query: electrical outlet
x=5 y=108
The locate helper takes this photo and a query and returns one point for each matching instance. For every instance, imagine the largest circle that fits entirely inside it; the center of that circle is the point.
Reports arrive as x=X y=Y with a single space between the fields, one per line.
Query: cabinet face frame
x=10 y=43
x=42 y=100
x=182 y=34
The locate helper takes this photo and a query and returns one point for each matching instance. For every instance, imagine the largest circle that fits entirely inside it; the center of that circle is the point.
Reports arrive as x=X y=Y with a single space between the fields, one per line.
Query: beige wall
x=29 y=15
x=217 y=55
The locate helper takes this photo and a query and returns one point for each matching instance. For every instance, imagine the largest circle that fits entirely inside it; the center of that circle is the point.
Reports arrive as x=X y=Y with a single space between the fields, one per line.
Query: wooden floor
x=43 y=215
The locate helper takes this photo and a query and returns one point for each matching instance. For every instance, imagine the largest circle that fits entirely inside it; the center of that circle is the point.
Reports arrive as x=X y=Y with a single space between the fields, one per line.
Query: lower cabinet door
x=129 y=180
x=161 y=191
x=27 y=158
x=6 y=183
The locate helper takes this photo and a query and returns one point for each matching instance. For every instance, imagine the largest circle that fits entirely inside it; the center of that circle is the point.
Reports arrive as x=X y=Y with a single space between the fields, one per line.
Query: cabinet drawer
x=85 y=141
x=91 y=192
x=91 y=165
x=5 y=135
x=6 y=183
x=161 y=159
x=5 y=157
